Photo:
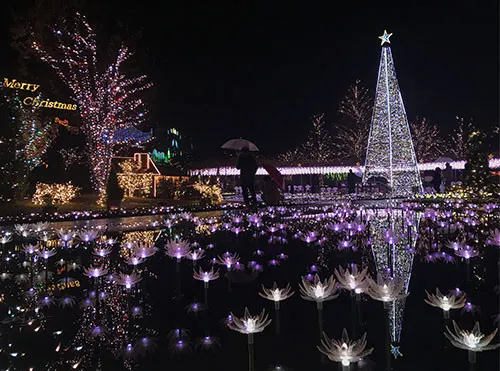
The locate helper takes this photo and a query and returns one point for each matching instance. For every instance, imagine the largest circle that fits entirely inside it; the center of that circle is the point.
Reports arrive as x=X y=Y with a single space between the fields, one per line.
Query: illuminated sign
x=47 y=103
x=14 y=84
x=71 y=129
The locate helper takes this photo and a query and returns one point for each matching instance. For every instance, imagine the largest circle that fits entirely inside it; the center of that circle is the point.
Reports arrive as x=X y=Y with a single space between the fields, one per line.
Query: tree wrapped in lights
x=458 y=143
x=318 y=146
x=352 y=131
x=427 y=140
x=105 y=99
x=29 y=140
x=390 y=152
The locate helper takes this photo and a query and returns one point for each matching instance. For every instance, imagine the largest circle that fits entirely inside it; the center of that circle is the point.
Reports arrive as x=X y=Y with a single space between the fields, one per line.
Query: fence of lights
x=309 y=170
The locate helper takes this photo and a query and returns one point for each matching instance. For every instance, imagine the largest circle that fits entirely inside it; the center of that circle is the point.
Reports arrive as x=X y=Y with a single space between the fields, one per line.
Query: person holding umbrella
x=248 y=167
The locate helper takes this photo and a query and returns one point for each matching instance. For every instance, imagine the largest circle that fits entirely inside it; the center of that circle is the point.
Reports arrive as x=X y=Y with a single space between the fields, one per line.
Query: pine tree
x=390 y=152
x=477 y=173
x=29 y=136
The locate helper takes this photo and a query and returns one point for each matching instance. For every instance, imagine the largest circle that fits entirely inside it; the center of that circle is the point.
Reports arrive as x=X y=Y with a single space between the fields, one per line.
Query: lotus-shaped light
x=95 y=272
x=144 y=250
x=276 y=294
x=128 y=280
x=40 y=226
x=102 y=251
x=5 y=239
x=353 y=280
x=206 y=276
x=196 y=254
x=46 y=253
x=318 y=291
x=495 y=237
x=466 y=252
x=474 y=340
x=386 y=290
x=22 y=229
x=445 y=302
x=30 y=249
x=177 y=249
x=249 y=324
x=134 y=260
x=64 y=235
x=88 y=235
x=228 y=259
x=344 y=350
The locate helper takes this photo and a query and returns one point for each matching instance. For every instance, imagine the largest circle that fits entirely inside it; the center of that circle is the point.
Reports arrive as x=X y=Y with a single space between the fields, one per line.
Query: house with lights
x=139 y=175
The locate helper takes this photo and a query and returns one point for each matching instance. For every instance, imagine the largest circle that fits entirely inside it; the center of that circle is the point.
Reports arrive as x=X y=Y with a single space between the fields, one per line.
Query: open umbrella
x=239 y=144
x=274 y=174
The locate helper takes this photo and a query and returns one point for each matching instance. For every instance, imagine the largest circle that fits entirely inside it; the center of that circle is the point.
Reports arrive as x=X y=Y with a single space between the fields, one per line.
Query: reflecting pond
x=167 y=292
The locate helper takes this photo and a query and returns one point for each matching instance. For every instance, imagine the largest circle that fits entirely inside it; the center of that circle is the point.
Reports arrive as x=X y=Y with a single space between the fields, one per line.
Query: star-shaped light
x=385 y=38
x=395 y=351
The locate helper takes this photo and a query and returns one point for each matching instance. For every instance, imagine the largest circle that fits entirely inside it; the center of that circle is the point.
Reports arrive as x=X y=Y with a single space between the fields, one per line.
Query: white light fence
x=308 y=170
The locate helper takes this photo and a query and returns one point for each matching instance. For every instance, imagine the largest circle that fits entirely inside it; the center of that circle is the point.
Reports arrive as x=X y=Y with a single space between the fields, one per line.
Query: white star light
x=385 y=38
x=395 y=351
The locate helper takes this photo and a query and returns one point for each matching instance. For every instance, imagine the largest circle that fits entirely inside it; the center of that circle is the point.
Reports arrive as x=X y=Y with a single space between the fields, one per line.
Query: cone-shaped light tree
x=390 y=153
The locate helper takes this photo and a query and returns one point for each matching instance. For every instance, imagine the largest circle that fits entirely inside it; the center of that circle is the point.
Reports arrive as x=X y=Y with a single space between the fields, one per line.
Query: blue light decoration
x=132 y=134
x=173 y=137
x=160 y=157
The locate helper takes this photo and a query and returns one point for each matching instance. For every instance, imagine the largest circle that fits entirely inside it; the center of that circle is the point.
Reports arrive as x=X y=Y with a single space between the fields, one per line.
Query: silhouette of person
x=436 y=179
x=351 y=181
x=248 y=167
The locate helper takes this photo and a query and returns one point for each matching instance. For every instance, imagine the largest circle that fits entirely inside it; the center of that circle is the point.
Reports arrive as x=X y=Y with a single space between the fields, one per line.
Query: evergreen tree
x=477 y=172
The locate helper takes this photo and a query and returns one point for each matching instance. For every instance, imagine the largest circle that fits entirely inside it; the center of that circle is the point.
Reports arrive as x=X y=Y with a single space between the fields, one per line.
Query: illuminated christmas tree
x=29 y=136
x=390 y=153
x=105 y=97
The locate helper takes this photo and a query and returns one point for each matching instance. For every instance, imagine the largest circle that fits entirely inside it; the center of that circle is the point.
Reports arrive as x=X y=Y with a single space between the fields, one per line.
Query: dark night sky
x=261 y=71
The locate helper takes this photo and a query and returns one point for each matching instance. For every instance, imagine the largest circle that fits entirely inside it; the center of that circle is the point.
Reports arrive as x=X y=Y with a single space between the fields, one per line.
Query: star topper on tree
x=385 y=38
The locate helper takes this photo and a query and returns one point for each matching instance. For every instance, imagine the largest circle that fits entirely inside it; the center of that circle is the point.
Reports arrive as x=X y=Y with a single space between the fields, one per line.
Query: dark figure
x=248 y=168
x=436 y=179
x=447 y=175
x=351 y=181
x=270 y=194
x=467 y=174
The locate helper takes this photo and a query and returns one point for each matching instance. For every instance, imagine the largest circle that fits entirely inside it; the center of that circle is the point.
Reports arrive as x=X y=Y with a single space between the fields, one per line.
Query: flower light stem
x=446 y=314
x=471 y=357
x=278 y=321
x=251 y=366
x=178 y=276
x=205 y=287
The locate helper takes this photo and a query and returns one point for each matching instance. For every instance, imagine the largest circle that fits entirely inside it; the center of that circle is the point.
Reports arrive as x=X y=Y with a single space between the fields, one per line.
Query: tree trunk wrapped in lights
x=103 y=97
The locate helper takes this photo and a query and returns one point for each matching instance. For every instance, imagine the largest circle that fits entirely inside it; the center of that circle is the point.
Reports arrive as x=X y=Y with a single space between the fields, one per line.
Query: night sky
x=261 y=71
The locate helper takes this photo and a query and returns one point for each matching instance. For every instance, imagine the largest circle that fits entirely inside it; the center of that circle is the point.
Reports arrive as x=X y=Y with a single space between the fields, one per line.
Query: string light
x=58 y=193
x=390 y=152
x=104 y=98
x=132 y=181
